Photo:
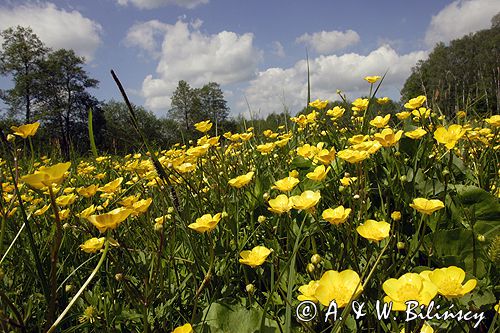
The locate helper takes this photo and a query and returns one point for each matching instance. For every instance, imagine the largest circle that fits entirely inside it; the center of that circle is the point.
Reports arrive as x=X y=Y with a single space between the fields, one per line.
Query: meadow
x=312 y=227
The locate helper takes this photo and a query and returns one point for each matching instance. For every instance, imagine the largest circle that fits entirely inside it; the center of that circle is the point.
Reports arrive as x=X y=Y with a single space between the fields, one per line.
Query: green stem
x=31 y=240
x=77 y=295
x=11 y=305
x=2 y=230
x=421 y=229
x=54 y=258
x=32 y=152
x=291 y=278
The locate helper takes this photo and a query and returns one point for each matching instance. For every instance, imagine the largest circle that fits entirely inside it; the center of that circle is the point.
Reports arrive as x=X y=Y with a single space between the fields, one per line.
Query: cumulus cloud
x=147 y=36
x=151 y=4
x=276 y=87
x=278 y=49
x=57 y=28
x=460 y=18
x=326 y=42
x=185 y=53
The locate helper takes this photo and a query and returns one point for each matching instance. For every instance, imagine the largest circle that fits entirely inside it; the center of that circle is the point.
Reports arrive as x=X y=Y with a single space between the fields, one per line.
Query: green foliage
x=120 y=136
x=462 y=76
x=192 y=105
x=21 y=56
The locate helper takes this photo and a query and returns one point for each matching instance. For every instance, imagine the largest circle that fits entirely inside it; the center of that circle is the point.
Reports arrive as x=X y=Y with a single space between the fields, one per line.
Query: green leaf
x=473 y=205
x=235 y=319
x=459 y=248
x=91 y=135
x=300 y=163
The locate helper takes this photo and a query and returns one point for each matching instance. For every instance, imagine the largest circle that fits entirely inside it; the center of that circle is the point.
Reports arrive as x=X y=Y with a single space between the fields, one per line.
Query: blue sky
x=254 y=49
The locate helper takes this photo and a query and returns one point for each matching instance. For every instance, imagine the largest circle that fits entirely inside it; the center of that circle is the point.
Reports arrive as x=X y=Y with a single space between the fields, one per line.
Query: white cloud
x=147 y=36
x=57 y=28
x=151 y=4
x=275 y=87
x=188 y=54
x=326 y=42
x=460 y=18
x=278 y=49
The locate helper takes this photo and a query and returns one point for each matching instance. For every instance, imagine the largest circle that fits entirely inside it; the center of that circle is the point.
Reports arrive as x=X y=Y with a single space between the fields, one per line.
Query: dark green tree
x=462 y=75
x=120 y=136
x=63 y=97
x=213 y=104
x=21 y=57
x=184 y=105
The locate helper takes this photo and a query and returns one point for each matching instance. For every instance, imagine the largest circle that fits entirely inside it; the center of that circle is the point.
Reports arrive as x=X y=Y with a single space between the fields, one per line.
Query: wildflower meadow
x=345 y=218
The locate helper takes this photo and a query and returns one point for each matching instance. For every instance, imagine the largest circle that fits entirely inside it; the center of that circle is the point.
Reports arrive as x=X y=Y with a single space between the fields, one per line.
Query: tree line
x=52 y=86
x=465 y=75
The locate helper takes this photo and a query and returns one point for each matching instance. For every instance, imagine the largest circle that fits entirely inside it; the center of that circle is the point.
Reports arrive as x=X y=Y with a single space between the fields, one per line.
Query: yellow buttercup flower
x=307 y=200
x=336 y=112
x=319 y=173
x=449 y=280
x=416 y=102
x=47 y=176
x=409 y=287
x=112 y=187
x=63 y=214
x=360 y=104
x=337 y=215
x=450 y=136
x=242 y=180
x=318 y=104
x=93 y=245
x=497 y=307
x=198 y=151
x=421 y=113
x=374 y=230
x=416 y=134
x=88 y=191
x=383 y=100
x=203 y=126
x=141 y=206
x=286 y=184
x=387 y=137
x=493 y=120
x=358 y=138
x=403 y=115
x=266 y=148
x=186 y=328
x=426 y=328
x=372 y=79
x=185 y=167
x=109 y=220
x=25 y=130
x=325 y=156
x=307 y=151
x=307 y=291
x=396 y=215
x=379 y=121
x=129 y=201
x=338 y=286
x=353 y=156
x=42 y=210
x=66 y=200
x=426 y=206
x=346 y=181
x=87 y=212
x=370 y=146
x=281 y=204
x=255 y=257
x=206 y=223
